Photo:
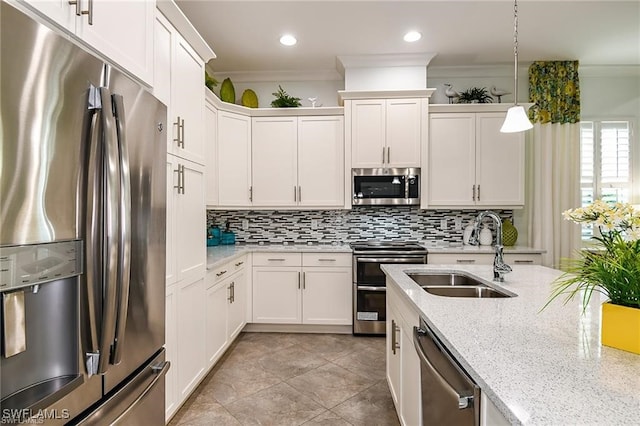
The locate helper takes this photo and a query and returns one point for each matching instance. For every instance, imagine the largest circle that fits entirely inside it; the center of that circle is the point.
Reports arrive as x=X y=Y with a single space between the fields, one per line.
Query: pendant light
x=516 y=119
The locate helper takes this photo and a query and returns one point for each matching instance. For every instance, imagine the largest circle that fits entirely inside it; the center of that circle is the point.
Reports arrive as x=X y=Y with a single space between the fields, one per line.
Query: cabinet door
x=411 y=403
x=123 y=31
x=172 y=196
x=190 y=231
x=59 y=11
x=277 y=295
x=171 y=345
x=321 y=161
x=403 y=132
x=234 y=160
x=216 y=321
x=211 y=142
x=162 y=48
x=327 y=296
x=237 y=307
x=393 y=354
x=499 y=164
x=368 y=130
x=190 y=331
x=187 y=101
x=452 y=159
x=274 y=161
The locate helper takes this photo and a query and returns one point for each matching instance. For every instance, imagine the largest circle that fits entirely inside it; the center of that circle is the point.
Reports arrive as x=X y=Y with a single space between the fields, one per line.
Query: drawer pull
x=276 y=260
x=326 y=260
x=239 y=263
x=465 y=261
x=221 y=273
x=523 y=261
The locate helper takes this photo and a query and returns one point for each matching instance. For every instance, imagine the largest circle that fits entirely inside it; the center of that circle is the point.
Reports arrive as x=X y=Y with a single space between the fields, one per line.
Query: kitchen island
x=536 y=367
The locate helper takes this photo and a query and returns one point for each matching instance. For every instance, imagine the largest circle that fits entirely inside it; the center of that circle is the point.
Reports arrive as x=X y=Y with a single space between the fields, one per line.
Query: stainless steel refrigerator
x=82 y=235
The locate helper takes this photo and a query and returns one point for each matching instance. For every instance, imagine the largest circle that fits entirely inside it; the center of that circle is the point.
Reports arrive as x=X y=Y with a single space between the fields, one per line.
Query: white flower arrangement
x=618 y=218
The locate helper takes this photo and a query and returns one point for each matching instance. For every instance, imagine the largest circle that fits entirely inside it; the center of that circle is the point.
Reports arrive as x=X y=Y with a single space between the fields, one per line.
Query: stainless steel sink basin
x=455 y=285
x=478 y=292
x=444 y=279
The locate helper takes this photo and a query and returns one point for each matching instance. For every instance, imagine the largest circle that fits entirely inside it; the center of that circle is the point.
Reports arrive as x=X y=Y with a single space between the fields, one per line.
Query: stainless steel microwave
x=386 y=187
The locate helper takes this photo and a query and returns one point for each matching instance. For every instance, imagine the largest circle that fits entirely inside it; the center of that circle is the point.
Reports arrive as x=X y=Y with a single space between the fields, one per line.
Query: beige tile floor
x=294 y=379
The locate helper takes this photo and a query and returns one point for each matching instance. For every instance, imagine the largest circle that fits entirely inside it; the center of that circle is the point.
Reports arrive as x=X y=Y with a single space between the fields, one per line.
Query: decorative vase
x=620 y=327
x=509 y=233
x=486 y=237
x=466 y=235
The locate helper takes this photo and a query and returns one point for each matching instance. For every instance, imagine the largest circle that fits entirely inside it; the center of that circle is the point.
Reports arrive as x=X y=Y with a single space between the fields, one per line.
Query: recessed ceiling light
x=288 y=40
x=412 y=36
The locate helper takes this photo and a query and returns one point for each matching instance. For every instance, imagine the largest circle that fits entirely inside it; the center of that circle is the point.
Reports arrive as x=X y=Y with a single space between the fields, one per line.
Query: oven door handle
x=371 y=288
x=417 y=259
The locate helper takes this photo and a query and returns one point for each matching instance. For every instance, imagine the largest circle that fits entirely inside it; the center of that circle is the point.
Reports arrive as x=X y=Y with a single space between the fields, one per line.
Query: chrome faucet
x=499 y=267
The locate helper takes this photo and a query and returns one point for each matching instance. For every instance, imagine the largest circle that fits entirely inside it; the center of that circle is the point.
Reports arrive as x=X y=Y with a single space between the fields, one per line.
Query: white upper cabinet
x=122 y=31
x=472 y=164
x=211 y=149
x=386 y=132
x=274 y=151
x=234 y=160
x=179 y=82
x=321 y=161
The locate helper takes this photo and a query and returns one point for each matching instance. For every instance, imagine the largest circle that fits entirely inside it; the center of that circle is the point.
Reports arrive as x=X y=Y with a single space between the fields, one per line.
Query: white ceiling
x=244 y=34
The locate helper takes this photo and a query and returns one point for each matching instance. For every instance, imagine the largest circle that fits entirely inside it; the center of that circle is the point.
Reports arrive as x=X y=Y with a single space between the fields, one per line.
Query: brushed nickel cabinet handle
x=523 y=261
x=326 y=260
x=276 y=260
x=251 y=193
x=388 y=155
x=239 y=263
x=478 y=192
x=474 y=193
x=299 y=194
x=78 y=8
x=465 y=261
x=304 y=280
x=221 y=273
x=295 y=193
x=298 y=280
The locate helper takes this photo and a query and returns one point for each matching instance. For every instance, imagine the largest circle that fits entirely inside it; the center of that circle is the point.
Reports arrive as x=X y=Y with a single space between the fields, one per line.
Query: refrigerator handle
x=124 y=263
x=93 y=219
x=111 y=232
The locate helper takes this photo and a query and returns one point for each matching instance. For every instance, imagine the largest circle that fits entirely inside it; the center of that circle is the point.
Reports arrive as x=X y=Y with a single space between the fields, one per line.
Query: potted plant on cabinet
x=611 y=267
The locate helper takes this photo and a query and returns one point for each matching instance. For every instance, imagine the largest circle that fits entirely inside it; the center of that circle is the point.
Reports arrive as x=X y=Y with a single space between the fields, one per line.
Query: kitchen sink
x=455 y=285
x=446 y=279
x=478 y=292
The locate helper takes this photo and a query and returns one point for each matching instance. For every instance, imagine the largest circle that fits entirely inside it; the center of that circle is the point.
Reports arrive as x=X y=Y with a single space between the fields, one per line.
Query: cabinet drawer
x=277 y=259
x=326 y=259
x=523 y=259
x=220 y=273
x=461 y=258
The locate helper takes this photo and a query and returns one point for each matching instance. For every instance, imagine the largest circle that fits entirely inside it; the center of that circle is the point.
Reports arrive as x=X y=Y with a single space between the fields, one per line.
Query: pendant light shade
x=516 y=119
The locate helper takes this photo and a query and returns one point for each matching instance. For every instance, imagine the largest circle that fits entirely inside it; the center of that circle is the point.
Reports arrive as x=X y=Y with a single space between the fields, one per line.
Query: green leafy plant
x=283 y=100
x=612 y=265
x=477 y=94
x=210 y=81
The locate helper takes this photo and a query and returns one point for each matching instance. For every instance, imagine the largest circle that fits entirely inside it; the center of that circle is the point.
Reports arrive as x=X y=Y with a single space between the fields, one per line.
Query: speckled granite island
x=536 y=367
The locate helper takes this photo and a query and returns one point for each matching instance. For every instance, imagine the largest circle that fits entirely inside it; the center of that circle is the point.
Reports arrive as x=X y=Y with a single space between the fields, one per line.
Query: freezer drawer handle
x=159 y=371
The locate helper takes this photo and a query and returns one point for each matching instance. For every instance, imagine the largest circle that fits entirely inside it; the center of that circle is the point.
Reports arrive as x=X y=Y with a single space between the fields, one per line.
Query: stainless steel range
x=369 y=282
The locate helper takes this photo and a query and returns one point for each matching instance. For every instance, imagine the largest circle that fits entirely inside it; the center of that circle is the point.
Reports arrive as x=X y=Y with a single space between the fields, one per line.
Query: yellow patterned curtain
x=554 y=88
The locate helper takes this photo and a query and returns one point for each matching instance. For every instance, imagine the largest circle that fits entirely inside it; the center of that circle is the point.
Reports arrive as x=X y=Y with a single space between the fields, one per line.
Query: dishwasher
x=449 y=395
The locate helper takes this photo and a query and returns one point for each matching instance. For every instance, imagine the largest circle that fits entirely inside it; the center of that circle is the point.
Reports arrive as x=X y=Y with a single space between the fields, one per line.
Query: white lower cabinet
x=190 y=342
x=225 y=307
x=403 y=364
x=296 y=288
x=171 y=339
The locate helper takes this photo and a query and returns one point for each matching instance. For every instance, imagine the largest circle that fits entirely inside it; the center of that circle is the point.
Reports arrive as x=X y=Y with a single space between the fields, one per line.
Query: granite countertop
x=217 y=255
x=537 y=367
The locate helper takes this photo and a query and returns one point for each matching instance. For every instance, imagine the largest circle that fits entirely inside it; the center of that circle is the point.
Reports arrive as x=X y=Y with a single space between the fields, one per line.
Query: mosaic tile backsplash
x=345 y=226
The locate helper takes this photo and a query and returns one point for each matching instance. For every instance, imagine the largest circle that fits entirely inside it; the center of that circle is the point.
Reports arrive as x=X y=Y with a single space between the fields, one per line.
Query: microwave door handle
x=93 y=219
x=124 y=207
x=110 y=230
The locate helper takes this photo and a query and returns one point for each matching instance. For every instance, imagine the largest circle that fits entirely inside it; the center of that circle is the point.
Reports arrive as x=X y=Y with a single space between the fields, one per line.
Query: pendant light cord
x=515 y=50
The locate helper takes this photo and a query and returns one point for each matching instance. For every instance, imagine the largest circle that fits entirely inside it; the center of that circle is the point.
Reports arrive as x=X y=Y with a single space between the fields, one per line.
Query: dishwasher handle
x=464 y=401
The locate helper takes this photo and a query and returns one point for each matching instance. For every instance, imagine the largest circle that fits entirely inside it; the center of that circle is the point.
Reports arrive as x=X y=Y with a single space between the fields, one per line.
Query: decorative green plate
x=227 y=92
x=250 y=99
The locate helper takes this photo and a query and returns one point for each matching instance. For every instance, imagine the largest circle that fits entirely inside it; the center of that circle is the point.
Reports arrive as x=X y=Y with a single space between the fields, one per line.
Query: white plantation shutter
x=605 y=163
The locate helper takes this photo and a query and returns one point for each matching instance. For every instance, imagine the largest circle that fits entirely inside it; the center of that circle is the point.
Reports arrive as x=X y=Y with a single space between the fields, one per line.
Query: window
x=605 y=163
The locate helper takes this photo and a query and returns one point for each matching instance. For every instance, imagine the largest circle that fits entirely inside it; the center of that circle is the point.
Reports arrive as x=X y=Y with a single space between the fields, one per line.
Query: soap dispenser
x=466 y=235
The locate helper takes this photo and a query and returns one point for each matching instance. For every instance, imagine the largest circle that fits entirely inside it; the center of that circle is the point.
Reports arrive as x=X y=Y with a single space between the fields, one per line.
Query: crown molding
x=174 y=14
x=277 y=76
x=388 y=60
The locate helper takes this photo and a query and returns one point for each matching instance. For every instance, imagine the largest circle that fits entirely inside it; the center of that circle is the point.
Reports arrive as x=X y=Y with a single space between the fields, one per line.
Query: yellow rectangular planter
x=620 y=327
